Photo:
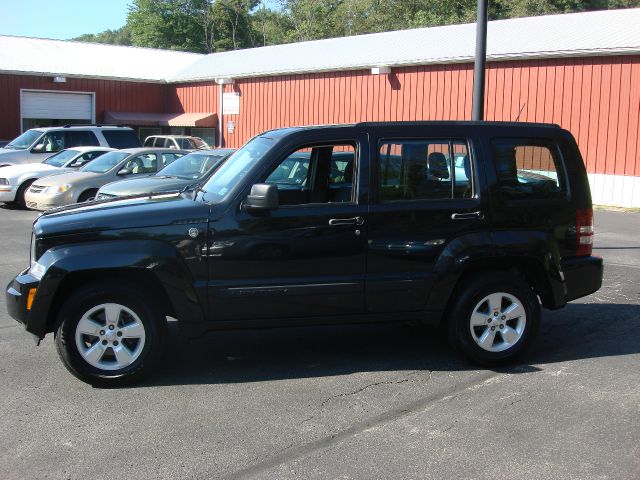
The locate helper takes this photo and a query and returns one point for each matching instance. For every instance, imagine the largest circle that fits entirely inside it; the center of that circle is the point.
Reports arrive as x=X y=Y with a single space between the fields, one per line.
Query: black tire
x=466 y=301
x=19 y=201
x=131 y=297
x=87 y=196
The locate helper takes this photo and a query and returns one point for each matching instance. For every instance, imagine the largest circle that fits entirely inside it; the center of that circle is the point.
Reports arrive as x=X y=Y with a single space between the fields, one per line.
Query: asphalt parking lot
x=389 y=402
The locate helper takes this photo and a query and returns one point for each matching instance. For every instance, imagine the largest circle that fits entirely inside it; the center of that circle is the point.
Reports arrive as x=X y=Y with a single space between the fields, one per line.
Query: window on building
x=424 y=170
x=528 y=168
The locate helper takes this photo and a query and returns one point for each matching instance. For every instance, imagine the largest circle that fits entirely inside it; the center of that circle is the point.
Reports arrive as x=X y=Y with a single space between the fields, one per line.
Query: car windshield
x=60 y=158
x=105 y=163
x=235 y=168
x=193 y=166
x=24 y=141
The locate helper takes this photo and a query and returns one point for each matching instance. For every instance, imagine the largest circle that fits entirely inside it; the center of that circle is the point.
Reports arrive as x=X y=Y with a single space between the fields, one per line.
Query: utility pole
x=480 y=61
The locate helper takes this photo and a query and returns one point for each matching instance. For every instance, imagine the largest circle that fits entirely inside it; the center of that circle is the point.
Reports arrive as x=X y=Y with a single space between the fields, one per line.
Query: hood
x=17 y=170
x=136 y=186
x=130 y=213
x=71 y=177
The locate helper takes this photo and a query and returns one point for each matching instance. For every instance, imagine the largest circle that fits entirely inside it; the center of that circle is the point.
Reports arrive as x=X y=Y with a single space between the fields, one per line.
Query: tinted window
x=81 y=138
x=424 y=170
x=149 y=142
x=528 y=168
x=121 y=138
x=319 y=174
x=193 y=166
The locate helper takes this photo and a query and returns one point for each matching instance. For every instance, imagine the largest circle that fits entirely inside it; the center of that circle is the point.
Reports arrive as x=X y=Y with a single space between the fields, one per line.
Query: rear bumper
x=582 y=276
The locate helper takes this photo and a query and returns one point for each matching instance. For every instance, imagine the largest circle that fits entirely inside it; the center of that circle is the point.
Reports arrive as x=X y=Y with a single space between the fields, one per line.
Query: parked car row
x=71 y=175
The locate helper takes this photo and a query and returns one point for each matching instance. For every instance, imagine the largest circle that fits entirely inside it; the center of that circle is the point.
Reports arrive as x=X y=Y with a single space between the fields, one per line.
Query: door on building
x=45 y=108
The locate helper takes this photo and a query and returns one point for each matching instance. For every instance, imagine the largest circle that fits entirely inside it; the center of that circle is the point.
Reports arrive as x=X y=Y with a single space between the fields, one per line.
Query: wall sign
x=231 y=103
x=231 y=126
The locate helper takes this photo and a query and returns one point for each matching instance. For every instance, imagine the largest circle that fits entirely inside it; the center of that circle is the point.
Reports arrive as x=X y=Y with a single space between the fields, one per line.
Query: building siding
x=110 y=95
x=596 y=98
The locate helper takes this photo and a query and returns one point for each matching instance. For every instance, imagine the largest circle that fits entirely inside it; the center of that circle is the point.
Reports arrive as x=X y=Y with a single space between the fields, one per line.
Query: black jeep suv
x=471 y=224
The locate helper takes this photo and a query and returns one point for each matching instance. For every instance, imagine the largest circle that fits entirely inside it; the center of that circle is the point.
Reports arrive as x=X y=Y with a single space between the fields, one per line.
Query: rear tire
x=494 y=318
x=20 y=201
x=110 y=334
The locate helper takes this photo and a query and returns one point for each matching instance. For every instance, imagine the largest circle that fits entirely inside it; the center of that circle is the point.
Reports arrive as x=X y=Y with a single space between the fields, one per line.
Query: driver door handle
x=467 y=216
x=346 y=221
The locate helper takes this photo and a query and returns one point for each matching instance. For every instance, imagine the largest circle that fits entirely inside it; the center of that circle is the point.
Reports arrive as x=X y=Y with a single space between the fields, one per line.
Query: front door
x=307 y=257
x=425 y=195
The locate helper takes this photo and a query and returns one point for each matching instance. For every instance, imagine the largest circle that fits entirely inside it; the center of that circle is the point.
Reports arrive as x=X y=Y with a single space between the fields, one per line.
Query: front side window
x=424 y=170
x=528 y=168
x=318 y=174
x=141 y=164
x=52 y=141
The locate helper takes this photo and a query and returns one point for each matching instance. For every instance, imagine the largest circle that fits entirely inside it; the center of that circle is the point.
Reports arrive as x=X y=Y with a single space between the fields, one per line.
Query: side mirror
x=263 y=196
x=38 y=148
x=124 y=171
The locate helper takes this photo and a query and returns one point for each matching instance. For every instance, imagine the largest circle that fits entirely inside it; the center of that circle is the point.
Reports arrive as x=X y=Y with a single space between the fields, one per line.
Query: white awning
x=207 y=119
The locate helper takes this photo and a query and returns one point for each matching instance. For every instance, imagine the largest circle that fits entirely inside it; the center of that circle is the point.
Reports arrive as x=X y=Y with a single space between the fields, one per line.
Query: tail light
x=584 y=230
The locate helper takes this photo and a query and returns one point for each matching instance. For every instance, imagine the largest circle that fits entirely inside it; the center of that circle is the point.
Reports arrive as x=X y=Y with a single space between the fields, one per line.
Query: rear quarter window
x=121 y=138
x=528 y=168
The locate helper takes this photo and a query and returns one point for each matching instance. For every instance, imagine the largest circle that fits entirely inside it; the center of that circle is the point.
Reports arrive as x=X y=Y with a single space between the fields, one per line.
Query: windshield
x=60 y=158
x=25 y=140
x=193 y=166
x=105 y=163
x=235 y=168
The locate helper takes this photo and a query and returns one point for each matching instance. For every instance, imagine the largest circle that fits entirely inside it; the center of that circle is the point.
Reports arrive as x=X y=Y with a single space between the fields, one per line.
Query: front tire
x=20 y=201
x=110 y=334
x=494 y=318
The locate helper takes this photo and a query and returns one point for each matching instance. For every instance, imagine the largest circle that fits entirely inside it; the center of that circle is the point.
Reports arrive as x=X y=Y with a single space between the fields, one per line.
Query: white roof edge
x=86 y=77
x=443 y=61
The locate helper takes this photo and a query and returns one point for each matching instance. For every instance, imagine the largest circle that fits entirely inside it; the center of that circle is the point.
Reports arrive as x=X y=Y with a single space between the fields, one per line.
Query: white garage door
x=55 y=105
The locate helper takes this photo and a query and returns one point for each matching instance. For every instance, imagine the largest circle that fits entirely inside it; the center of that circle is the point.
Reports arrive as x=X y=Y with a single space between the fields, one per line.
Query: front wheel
x=494 y=317
x=110 y=334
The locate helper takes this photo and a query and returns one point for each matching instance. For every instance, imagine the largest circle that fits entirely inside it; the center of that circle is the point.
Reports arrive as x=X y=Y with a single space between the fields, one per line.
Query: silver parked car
x=81 y=186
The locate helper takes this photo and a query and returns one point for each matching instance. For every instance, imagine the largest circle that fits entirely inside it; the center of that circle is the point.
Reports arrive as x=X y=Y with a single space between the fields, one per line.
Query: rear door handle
x=346 y=221
x=467 y=216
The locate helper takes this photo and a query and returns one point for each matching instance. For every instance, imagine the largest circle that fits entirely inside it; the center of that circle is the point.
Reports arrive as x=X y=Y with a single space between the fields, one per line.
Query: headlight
x=54 y=189
x=4 y=181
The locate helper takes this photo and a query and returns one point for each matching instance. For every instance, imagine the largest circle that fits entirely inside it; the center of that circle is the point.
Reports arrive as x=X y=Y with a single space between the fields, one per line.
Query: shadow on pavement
x=578 y=331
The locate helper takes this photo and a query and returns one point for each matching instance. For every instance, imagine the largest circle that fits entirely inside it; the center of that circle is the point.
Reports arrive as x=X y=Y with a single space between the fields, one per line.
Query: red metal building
x=581 y=71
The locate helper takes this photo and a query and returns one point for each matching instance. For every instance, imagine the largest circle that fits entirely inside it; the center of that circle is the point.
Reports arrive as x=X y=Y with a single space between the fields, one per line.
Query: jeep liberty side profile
x=473 y=225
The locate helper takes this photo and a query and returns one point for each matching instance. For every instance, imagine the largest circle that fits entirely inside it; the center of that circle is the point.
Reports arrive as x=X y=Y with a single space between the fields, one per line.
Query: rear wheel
x=110 y=334
x=20 y=201
x=494 y=317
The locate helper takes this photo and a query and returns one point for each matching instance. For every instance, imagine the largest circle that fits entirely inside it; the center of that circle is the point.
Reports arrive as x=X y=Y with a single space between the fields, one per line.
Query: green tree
x=120 y=36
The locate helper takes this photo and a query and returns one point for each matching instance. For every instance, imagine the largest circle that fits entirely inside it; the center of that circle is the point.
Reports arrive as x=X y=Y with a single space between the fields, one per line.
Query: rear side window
x=424 y=170
x=81 y=138
x=121 y=138
x=528 y=168
x=149 y=142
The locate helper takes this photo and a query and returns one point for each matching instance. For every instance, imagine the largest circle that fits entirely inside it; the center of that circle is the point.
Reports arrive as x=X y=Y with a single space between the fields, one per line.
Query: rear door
x=424 y=195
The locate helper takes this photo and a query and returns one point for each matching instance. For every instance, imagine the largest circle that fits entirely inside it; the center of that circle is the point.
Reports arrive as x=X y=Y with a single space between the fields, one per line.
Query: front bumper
x=43 y=201
x=582 y=276
x=17 y=295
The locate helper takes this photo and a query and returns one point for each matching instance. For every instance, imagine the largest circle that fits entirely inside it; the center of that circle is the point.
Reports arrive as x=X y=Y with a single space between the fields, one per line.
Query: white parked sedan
x=15 y=180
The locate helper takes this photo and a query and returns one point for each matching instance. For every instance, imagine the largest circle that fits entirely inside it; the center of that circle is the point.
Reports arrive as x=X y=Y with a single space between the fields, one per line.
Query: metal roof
x=567 y=35
x=36 y=56
x=607 y=32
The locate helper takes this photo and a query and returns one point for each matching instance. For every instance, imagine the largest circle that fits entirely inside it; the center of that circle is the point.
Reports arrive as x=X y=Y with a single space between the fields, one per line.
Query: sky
x=61 y=19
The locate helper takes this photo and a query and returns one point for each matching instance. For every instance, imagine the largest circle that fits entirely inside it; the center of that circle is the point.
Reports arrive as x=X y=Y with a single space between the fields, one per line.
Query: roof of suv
x=172 y=136
x=82 y=127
